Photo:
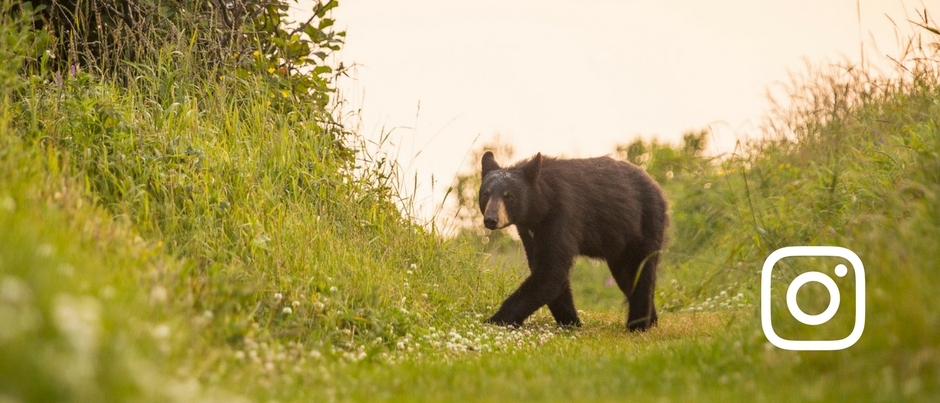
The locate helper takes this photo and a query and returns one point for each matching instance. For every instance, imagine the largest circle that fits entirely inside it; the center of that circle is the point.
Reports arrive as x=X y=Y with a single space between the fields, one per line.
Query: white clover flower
x=161 y=331
x=158 y=295
x=44 y=250
x=278 y=296
x=287 y=310
x=295 y=304
x=7 y=203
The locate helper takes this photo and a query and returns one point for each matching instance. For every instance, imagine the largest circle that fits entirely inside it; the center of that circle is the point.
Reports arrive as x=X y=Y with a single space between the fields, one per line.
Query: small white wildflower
x=413 y=266
x=240 y=355
x=14 y=290
x=269 y=366
x=315 y=354
x=67 y=270
x=7 y=203
x=318 y=306
x=287 y=310
x=158 y=295
x=278 y=296
x=207 y=314
x=261 y=240
x=409 y=272
x=161 y=332
x=107 y=292
x=295 y=304
x=44 y=250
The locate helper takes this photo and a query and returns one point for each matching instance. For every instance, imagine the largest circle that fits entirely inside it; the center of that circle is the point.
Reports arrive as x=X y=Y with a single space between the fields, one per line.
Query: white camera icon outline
x=813 y=345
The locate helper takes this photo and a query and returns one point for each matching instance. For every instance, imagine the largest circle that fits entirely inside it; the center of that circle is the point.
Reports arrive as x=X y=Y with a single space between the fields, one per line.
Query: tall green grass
x=217 y=231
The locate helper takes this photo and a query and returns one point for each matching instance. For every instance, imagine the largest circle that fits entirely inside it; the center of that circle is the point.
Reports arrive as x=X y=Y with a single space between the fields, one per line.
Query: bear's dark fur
x=596 y=207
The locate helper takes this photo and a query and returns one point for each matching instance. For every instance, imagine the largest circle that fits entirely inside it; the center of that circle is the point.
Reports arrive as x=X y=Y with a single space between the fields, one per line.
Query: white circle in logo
x=834 y=298
x=841 y=270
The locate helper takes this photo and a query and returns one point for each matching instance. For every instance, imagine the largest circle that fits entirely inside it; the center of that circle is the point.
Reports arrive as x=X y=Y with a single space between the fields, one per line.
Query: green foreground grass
x=180 y=237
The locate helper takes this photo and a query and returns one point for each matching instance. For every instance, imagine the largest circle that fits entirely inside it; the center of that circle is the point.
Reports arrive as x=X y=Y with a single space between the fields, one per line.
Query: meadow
x=184 y=217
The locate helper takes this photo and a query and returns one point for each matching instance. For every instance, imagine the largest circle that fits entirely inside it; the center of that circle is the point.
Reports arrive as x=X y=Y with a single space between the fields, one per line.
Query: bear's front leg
x=547 y=284
x=562 y=308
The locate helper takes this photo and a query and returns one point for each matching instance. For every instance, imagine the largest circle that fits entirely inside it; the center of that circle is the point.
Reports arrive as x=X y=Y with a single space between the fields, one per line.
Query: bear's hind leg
x=562 y=308
x=639 y=290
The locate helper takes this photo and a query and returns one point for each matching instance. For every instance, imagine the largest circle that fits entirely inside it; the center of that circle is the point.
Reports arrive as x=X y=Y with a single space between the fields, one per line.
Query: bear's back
x=610 y=202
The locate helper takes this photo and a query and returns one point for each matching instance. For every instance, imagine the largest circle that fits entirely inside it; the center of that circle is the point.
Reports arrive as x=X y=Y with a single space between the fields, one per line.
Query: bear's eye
x=507 y=197
x=485 y=194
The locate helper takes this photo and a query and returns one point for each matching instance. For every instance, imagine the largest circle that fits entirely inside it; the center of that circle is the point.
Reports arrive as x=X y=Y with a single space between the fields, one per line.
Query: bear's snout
x=489 y=222
x=495 y=216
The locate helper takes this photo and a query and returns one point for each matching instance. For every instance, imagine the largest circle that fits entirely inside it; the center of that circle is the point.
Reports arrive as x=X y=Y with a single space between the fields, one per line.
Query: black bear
x=596 y=207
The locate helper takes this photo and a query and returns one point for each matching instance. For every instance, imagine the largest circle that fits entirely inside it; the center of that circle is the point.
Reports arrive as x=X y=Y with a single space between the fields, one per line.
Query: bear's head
x=505 y=192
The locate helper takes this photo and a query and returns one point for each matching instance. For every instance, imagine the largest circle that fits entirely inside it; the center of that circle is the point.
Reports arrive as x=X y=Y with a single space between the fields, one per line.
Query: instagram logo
x=835 y=297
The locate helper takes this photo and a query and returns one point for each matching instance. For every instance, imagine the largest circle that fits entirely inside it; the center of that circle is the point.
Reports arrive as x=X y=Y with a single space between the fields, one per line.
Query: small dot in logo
x=841 y=270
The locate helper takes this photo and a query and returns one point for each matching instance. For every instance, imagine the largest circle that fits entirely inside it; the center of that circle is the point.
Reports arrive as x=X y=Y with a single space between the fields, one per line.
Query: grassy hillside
x=164 y=225
x=178 y=230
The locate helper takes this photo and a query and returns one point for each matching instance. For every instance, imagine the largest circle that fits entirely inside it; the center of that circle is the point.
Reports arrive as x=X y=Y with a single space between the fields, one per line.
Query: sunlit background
x=575 y=78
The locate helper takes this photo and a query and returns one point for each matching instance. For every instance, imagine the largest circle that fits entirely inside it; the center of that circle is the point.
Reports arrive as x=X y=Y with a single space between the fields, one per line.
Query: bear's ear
x=489 y=163
x=532 y=168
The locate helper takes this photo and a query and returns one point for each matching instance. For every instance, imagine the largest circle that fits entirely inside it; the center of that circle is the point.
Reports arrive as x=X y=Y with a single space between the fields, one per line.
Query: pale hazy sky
x=575 y=78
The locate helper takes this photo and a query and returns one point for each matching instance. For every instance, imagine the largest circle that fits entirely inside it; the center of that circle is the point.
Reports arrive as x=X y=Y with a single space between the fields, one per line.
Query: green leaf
x=327 y=7
x=315 y=34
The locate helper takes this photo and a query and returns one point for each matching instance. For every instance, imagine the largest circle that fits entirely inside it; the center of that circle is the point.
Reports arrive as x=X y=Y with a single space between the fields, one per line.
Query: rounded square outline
x=812 y=345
